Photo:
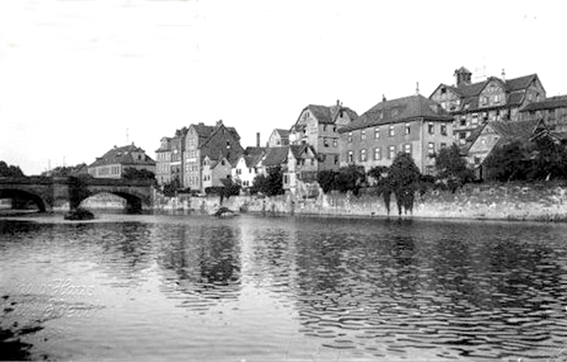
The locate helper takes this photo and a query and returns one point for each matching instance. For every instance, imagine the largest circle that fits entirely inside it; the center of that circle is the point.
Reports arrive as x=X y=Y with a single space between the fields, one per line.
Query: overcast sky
x=78 y=77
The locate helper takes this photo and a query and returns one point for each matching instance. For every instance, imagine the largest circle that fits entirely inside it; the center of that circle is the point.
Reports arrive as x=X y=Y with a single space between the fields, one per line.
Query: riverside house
x=113 y=163
x=414 y=124
x=318 y=126
x=494 y=99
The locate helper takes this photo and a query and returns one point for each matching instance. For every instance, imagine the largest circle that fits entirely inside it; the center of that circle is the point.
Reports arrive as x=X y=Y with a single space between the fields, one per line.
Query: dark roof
x=322 y=113
x=253 y=151
x=515 y=131
x=124 y=156
x=520 y=83
x=549 y=103
x=203 y=130
x=399 y=110
x=515 y=98
x=252 y=160
x=284 y=133
x=298 y=150
x=275 y=156
x=167 y=146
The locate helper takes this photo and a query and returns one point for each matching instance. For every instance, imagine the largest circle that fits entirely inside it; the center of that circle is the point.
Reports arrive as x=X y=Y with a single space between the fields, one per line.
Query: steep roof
x=124 y=156
x=284 y=133
x=515 y=131
x=399 y=110
x=275 y=156
x=298 y=150
x=549 y=103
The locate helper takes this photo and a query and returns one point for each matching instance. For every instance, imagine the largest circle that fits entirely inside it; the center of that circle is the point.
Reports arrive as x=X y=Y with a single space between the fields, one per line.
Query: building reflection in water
x=202 y=263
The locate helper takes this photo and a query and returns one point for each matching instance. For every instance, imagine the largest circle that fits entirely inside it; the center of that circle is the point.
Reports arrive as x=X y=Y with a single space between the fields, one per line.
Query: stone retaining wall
x=545 y=202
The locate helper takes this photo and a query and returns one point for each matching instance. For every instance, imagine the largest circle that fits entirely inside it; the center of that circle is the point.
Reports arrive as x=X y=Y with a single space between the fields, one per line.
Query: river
x=251 y=288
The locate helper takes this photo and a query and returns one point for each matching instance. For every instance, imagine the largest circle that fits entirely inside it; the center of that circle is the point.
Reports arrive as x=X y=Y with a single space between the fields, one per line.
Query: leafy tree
x=270 y=185
x=10 y=170
x=452 y=168
x=507 y=163
x=403 y=180
x=378 y=173
x=350 y=178
x=326 y=180
x=170 y=188
x=549 y=160
x=68 y=171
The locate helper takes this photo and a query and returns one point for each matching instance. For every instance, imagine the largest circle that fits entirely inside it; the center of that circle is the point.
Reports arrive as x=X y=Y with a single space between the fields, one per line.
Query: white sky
x=75 y=75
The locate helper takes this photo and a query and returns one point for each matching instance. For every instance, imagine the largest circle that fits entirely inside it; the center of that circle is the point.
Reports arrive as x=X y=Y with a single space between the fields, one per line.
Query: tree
x=403 y=180
x=350 y=178
x=67 y=171
x=452 y=168
x=270 y=185
x=326 y=180
x=10 y=170
x=549 y=160
x=378 y=173
x=170 y=188
x=508 y=162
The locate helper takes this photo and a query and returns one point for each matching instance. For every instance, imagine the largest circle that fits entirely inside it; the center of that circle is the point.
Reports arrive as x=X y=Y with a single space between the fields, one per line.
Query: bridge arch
x=134 y=201
x=24 y=196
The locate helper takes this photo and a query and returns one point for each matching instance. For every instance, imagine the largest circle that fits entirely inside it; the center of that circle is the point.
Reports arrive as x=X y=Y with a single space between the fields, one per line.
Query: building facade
x=278 y=138
x=495 y=99
x=163 y=161
x=553 y=112
x=318 y=127
x=415 y=125
x=301 y=166
x=113 y=163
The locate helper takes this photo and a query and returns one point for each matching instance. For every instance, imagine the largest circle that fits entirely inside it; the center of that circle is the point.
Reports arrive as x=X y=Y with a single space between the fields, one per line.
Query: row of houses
x=476 y=116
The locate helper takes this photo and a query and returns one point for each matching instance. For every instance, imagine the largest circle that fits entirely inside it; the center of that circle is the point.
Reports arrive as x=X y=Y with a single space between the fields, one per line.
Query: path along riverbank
x=534 y=202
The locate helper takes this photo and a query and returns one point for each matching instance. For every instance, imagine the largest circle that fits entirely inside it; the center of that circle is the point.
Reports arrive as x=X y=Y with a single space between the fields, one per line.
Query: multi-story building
x=113 y=163
x=553 y=112
x=279 y=138
x=169 y=158
x=163 y=161
x=494 y=99
x=415 y=125
x=302 y=166
x=317 y=126
x=247 y=166
x=214 y=143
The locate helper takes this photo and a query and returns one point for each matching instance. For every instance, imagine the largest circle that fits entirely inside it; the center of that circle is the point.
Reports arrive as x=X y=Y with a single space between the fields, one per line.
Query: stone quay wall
x=533 y=202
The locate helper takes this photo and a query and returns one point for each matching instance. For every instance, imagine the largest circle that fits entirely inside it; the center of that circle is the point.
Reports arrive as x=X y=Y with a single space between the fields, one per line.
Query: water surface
x=251 y=288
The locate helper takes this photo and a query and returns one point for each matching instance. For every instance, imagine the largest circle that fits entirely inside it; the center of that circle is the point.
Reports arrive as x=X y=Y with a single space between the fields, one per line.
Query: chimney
x=383 y=98
x=503 y=74
x=417 y=89
x=338 y=103
x=257 y=139
x=219 y=122
x=463 y=76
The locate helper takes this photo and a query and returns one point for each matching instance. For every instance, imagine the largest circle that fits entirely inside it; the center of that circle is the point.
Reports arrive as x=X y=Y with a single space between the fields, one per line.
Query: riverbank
x=514 y=202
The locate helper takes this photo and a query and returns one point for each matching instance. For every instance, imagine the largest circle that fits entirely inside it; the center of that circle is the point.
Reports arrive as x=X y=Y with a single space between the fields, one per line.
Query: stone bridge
x=50 y=193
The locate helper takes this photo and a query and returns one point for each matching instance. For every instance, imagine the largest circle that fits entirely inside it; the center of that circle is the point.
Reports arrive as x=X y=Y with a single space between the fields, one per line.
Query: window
x=430 y=128
x=362 y=155
x=477 y=160
x=443 y=145
x=336 y=162
x=376 y=132
x=391 y=132
x=350 y=157
x=463 y=122
x=325 y=142
x=377 y=153
x=408 y=129
x=335 y=143
x=363 y=134
x=430 y=149
x=324 y=127
x=443 y=129
x=391 y=152
x=350 y=137
x=407 y=148
x=285 y=180
x=484 y=100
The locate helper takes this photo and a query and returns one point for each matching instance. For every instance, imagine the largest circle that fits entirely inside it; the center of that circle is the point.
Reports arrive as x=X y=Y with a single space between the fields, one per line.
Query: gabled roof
x=298 y=150
x=203 y=130
x=252 y=161
x=166 y=147
x=275 y=156
x=515 y=131
x=252 y=151
x=399 y=110
x=327 y=115
x=284 y=133
x=124 y=156
x=549 y=103
x=520 y=83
